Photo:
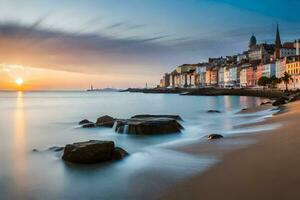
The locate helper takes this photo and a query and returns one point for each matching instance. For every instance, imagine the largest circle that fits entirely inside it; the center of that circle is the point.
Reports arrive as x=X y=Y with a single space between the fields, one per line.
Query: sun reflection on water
x=19 y=146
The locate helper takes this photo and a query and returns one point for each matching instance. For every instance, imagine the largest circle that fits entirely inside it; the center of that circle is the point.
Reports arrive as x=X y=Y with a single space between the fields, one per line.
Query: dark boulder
x=214 y=111
x=279 y=101
x=214 y=136
x=119 y=153
x=93 y=151
x=176 y=117
x=148 y=126
x=89 y=125
x=85 y=121
x=106 y=121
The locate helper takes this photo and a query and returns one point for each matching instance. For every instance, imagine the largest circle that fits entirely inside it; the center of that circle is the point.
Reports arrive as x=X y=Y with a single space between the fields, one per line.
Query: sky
x=68 y=44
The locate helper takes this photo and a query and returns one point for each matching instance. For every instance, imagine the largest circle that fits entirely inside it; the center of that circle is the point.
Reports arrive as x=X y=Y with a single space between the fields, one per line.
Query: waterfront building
x=201 y=74
x=269 y=70
x=250 y=79
x=280 y=67
x=243 y=77
x=221 y=77
x=214 y=76
x=226 y=77
x=293 y=69
x=233 y=76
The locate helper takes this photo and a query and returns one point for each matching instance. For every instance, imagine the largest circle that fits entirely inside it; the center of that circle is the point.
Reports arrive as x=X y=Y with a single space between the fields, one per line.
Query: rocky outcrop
x=148 y=126
x=89 y=125
x=85 y=121
x=93 y=151
x=176 y=117
x=214 y=136
x=106 y=121
x=280 y=101
x=214 y=111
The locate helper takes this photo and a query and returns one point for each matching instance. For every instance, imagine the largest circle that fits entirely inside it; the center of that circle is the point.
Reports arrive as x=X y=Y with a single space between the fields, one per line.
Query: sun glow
x=19 y=81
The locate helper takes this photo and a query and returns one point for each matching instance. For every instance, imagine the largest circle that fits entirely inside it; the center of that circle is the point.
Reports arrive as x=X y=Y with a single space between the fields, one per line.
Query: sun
x=19 y=81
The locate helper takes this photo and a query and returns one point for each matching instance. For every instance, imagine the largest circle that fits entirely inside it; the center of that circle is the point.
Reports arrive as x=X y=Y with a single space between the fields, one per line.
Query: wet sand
x=268 y=168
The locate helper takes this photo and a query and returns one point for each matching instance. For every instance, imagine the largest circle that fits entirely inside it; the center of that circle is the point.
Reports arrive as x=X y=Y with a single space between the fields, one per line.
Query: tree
x=274 y=81
x=264 y=81
x=286 y=79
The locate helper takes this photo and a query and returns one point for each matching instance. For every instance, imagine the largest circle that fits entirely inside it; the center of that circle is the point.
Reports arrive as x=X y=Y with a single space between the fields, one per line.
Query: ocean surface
x=39 y=120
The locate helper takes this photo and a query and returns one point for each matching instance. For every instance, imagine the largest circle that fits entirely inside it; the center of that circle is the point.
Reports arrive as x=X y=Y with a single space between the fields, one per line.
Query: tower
x=278 y=44
x=252 y=42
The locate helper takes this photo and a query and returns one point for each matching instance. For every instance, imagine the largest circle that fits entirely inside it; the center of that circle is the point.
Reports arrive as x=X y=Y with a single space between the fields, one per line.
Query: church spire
x=278 y=40
x=278 y=44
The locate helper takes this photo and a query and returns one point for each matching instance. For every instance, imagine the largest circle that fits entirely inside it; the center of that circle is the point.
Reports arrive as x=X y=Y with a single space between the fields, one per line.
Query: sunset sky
x=67 y=44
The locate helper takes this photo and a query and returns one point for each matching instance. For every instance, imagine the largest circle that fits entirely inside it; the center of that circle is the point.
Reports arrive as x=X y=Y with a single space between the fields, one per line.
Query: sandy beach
x=267 y=169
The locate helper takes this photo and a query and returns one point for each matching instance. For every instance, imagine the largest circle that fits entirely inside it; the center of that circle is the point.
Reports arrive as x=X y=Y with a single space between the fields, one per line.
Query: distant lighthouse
x=92 y=88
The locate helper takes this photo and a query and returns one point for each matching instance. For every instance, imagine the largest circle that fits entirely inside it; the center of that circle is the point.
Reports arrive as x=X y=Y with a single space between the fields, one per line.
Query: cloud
x=90 y=53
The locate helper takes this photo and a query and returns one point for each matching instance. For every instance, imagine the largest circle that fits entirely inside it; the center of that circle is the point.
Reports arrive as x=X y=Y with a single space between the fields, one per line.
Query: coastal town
x=259 y=66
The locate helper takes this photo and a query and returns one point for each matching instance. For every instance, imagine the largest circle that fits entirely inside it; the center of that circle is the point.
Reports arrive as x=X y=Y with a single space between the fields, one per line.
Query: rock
x=280 y=101
x=176 y=117
x=119 y=153
x=56 y=149
x=148 y=126
x=244 y=109
x=35 y=150
x=90 y=152
x=214 y=111
x=295 y=97
x=85 y=121
x=214 y=136
x=265 y=103
x=89 y=125
x=106 y=121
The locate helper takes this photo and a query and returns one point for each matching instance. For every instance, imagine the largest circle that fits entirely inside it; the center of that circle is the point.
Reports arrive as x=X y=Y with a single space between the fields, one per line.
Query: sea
x=43 y=119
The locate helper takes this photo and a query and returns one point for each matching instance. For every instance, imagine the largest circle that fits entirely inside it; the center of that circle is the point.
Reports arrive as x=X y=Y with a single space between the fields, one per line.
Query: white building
x=269 y=70
x=201 y=72
x=280 y=67
x=243 y=77
x=226 y=77
x=221 y=76
x=233 y=76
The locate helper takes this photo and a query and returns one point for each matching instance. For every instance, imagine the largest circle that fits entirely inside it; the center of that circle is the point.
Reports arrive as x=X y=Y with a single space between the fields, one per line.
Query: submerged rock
x=93 y=151
x=214 y=111
x=148 y=126
x=85 y=121
x=106 y=121
x=56 y=148
x=176 y=117
x=119 y=153
x=214 y=136
x=89 y=125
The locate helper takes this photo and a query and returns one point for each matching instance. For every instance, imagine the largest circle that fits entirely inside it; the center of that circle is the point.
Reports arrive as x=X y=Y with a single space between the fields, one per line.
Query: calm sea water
x=39 y=120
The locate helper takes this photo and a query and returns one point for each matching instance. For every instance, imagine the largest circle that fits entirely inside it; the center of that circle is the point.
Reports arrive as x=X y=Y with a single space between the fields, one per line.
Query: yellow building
x=293 y=69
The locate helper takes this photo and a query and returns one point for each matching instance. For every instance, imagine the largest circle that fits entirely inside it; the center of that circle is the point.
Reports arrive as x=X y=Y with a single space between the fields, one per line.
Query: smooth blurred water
x=39 y=120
